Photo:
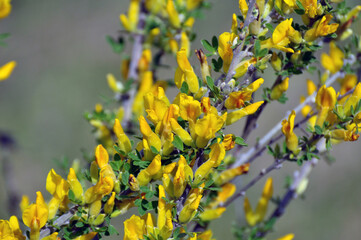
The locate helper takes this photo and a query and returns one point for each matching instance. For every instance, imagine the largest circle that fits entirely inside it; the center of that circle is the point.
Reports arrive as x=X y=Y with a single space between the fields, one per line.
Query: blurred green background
x=62 y=60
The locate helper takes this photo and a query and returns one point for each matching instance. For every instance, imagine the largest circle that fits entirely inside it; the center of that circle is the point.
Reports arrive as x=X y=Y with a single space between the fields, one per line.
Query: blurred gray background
x=62 y=60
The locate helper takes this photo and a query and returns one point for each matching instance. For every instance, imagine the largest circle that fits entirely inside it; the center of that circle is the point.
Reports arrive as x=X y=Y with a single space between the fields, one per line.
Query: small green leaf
x=207 y=46
x=240 y=141
x=154 y=150
x=117 y=46
x=215 y=42
x=177 y=142
x=210 y=82
x=184 y=88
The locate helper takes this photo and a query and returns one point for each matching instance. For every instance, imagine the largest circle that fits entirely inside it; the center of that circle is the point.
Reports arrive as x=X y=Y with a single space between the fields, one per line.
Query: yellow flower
x=224 y=49
x=192 y=4
x=35 y=216
x=109 y=205
x=334 y=61
x=191 y=205
x=291 y=137
x=147 y=174
x=238 y=114
x=234 y=28
x=185 y=72
x=189 y=109
x=148 y=134
x=145 y=60
x=321 y=28
x=7 y=69
x=123 y=140
x=279 y=89
x=5 y=8
x=216 y=156
x=75 y=185
x=227 y=190
x=134 y=228
x=58 y=187
x=182 y=134
x=88 y=236
x=185 y=43
x=289 y=236
x=164 y=221
x=156 y=105
x=283 y=34
x=353 y=100
x=24 y=203
x=243 y=7
x=228 y=175
x=206 y=128
x=204 y=64
x=211 y=214
x=113 y=84
x=325 y=101
x=255 y=217
x=130 y=22
x=145 y=87
x=276 y=62
x=238 y=99
x=173 y=14
x=228 y=142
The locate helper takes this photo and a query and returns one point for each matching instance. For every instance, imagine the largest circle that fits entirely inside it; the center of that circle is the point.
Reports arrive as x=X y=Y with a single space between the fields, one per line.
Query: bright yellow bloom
x=145 y=60
x=289 y=236
x=353 y=100
x=134 y=228
x=147 y=174
x=279 y=89
x=109 y=205
x=58 y=187
x=183 y=173
x=75 y=185
x=146 y=84
x=334 y=61
x=156 y=6
x=228 y=175
x=5 y=8
x=7 y=69
x=243 y=7
x=192 y=4
x=325 y=101
x=173 y=14
x=185 y=72
x=182 y=134
x=35 y=216
x=156 y=104
x=148 y=134
x=238 y=114
x=164 y=221
x=291 y=137
x=123 y=140
x=216 y=156
x=211 y=214
x=24 y=203
x=189 y=109
x=255 y=217
x=321 y=28
x=228 y=142
x=88 y=236
x=234 y=28
x=276 y=62
x=113 y=84
x=224 y=49
x=228 y=189
x=283 y=34
x=206 y=128
x=185 y=43
x=204 y=64
x=238 y=99
x=130 y=22
x=191 y=205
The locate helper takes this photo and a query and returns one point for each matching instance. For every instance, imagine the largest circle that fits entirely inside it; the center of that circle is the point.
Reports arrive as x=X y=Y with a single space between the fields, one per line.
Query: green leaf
x=177 y=142
x=215 y=42
x=318 y=130
x=210 y=82
x=207 y=46
x=240 y=141
x=184 y=88
x=133 y=156
x=154 y=150
x=112 y=230
x=125 y=178
x=117 y=46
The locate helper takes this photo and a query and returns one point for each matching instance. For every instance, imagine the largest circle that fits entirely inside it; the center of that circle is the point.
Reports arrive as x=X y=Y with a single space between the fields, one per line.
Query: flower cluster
x=171 y=158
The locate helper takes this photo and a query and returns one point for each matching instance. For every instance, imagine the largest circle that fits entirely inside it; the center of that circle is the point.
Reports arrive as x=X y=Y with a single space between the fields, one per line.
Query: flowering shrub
x=170 y=158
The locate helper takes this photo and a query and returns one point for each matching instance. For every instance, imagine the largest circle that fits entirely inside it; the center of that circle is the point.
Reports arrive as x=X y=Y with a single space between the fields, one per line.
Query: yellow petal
x=7 y=69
